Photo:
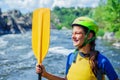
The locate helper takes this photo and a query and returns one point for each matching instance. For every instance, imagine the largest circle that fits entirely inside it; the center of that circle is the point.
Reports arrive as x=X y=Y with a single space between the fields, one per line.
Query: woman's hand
x=40 y=69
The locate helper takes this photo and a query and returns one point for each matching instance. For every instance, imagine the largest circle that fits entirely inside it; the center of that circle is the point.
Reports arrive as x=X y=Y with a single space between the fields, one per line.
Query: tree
x=108 y=15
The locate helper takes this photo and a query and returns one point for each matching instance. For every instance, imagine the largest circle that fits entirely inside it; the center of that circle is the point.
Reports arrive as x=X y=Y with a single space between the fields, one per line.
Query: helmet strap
x=86 y=41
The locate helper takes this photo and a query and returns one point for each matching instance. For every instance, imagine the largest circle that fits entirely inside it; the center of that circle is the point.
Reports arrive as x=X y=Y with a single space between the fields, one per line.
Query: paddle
x=40 y=34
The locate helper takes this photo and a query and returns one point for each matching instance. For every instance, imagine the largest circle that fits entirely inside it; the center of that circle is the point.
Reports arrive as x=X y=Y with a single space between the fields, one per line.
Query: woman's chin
x=76 y=45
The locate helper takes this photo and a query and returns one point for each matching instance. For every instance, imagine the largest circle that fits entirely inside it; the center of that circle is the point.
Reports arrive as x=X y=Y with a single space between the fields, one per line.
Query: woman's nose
x=73 y=36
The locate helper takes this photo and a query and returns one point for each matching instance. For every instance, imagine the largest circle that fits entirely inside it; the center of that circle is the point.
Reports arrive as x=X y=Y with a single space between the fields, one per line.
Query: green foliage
x=113 y=9
x=100 y=32
x=117 y=34
x=108 y=16
x=63 y=17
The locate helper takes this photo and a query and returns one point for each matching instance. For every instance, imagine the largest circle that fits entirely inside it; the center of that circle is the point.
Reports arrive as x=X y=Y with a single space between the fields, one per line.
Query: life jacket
x=80 y=69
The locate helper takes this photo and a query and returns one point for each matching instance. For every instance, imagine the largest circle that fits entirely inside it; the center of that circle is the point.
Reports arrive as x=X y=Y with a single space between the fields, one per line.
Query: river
x=17 y=61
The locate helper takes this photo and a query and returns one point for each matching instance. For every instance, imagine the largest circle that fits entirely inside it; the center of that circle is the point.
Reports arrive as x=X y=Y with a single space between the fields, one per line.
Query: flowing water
x=17 y=61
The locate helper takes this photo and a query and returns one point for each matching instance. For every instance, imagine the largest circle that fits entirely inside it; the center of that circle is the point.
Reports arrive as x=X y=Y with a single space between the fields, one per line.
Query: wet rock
x=64 y=28
x=15 y=13
x=0 y=11
x=14 y=21
x=109 y=36
x=117 y=44
x=3 y=24
x=52 y=26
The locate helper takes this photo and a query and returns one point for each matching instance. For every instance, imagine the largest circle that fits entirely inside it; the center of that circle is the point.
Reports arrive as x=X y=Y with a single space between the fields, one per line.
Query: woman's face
x=78 y=36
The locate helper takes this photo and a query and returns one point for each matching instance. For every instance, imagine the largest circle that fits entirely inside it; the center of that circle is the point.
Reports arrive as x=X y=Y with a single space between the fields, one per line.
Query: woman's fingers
x=38 y=69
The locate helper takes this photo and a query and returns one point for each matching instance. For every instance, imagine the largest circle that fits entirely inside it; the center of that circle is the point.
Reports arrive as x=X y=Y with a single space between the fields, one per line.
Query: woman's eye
x=79 y=33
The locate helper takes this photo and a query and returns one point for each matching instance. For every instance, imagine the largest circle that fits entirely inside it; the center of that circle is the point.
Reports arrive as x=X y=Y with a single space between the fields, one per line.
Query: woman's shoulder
x=103 y=61
x=102 y=58
x=70 y=57
x=106 y=67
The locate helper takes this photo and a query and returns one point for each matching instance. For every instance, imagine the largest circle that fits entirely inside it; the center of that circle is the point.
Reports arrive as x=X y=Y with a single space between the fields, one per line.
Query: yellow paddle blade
x=40 y=33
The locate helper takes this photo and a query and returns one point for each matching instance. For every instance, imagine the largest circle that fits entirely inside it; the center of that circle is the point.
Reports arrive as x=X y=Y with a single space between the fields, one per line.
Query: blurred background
x=17 y=61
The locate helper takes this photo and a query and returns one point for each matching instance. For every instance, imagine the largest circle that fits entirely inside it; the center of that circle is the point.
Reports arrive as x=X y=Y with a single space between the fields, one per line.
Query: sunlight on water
x=60 y=50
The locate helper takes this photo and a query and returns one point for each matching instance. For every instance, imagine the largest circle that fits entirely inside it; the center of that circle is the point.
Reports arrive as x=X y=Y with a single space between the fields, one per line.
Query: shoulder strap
x=75 y=53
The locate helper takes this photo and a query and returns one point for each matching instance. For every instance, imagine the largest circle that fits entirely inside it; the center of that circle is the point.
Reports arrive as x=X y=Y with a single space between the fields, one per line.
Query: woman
x=85 y=63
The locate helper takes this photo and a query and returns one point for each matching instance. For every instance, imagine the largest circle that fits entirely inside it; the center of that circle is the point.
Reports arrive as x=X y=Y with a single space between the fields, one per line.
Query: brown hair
x=93 y=53
x=93 y=58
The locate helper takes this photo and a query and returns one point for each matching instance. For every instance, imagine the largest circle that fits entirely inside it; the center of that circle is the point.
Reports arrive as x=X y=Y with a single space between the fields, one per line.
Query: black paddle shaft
x=39 y=76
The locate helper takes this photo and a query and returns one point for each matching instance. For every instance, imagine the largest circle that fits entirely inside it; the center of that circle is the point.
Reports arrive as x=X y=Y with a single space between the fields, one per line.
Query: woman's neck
x=85 y=49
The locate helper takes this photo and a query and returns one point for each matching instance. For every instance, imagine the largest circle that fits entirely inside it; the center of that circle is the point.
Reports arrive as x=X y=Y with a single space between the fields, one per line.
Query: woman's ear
x=90 y=35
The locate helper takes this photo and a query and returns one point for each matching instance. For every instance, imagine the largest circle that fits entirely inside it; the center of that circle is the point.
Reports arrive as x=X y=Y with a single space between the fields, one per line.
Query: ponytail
x=93 y=58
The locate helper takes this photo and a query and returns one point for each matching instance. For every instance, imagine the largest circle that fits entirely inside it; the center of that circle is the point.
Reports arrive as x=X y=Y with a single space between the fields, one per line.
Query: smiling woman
x=85 y=63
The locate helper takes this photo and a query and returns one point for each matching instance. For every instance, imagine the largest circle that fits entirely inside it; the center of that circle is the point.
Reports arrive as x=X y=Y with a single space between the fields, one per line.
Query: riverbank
x=114 y=42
